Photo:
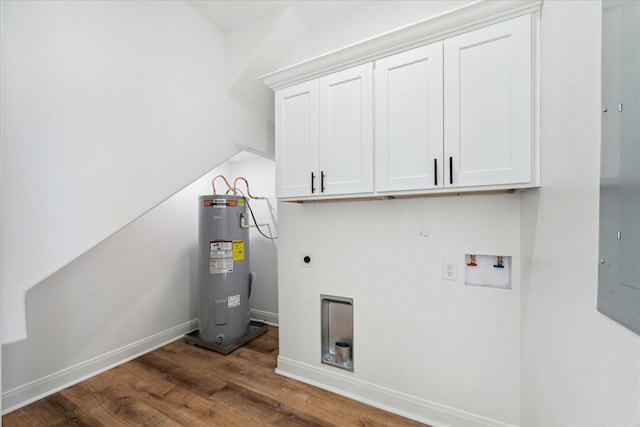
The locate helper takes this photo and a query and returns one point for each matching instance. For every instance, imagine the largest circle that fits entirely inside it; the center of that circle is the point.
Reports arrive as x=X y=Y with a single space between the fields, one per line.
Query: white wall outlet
x=307 y=260
x=449 y=270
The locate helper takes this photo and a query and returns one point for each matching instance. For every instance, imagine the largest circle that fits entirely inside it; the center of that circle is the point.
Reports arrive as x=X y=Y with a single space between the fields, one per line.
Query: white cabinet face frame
x=409 y=120
x=297 y=137
x=346 y=131
x=488 y=105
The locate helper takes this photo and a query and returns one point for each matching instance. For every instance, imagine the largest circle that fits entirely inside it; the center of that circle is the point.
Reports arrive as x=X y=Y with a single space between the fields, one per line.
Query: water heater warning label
x=221 y=257
x=233 y=301
x=238 y=250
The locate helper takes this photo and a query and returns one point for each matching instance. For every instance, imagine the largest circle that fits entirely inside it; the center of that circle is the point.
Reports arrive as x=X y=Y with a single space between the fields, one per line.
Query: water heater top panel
x=223 y=201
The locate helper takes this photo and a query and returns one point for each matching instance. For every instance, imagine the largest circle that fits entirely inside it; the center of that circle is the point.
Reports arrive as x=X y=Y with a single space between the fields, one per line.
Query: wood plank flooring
x=184 y=385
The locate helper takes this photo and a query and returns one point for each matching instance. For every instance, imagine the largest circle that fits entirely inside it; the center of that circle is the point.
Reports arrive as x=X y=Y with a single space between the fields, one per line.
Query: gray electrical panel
x=619 y=272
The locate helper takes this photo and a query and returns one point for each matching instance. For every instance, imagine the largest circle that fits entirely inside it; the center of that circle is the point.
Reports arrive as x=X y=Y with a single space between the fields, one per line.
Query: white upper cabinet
x=488 y=105
x=459 y=113
x=484 y=99
x=346 y=131
x=408 y=120
x=297 y=136
x=324 y=135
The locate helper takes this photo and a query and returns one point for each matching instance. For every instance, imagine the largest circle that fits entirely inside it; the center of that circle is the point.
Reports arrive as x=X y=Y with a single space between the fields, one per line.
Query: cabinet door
x=409 y=120
x=488 y=105
x=296 y=116
x=346 y=131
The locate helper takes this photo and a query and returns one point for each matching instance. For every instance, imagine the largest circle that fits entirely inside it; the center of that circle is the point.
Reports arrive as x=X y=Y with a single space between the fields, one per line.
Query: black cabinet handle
x=313 y=179
x=322 y=181
x=450 y=170
x=435 y=172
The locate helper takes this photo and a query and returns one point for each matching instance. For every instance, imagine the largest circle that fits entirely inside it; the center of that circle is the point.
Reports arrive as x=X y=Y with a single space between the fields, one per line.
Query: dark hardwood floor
x=184 y=385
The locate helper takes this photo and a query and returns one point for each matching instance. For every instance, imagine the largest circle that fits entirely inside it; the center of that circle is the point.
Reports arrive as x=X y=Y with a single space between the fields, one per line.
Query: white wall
x=135 y=290
x=435 y=342
x=256 y=49
x=579 y=367
x=108 y=109
x=373 y=18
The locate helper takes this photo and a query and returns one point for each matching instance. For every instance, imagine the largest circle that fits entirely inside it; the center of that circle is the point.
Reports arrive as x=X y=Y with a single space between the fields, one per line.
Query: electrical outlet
x=449 y=270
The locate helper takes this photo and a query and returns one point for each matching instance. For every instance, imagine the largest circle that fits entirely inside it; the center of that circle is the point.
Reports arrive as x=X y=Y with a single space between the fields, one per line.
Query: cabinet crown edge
x=456 y=21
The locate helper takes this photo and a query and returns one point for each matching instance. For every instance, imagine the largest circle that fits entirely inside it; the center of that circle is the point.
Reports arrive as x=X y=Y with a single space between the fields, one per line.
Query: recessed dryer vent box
x=492 y=271
x=337 y=331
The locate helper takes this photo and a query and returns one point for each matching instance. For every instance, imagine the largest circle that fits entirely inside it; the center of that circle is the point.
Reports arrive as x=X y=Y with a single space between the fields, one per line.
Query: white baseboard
x=418 y=409
x=37 y=389
x=265 y=316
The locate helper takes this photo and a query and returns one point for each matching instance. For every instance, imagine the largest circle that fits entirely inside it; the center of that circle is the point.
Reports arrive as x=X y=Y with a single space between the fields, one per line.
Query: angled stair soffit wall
x=448 y=24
